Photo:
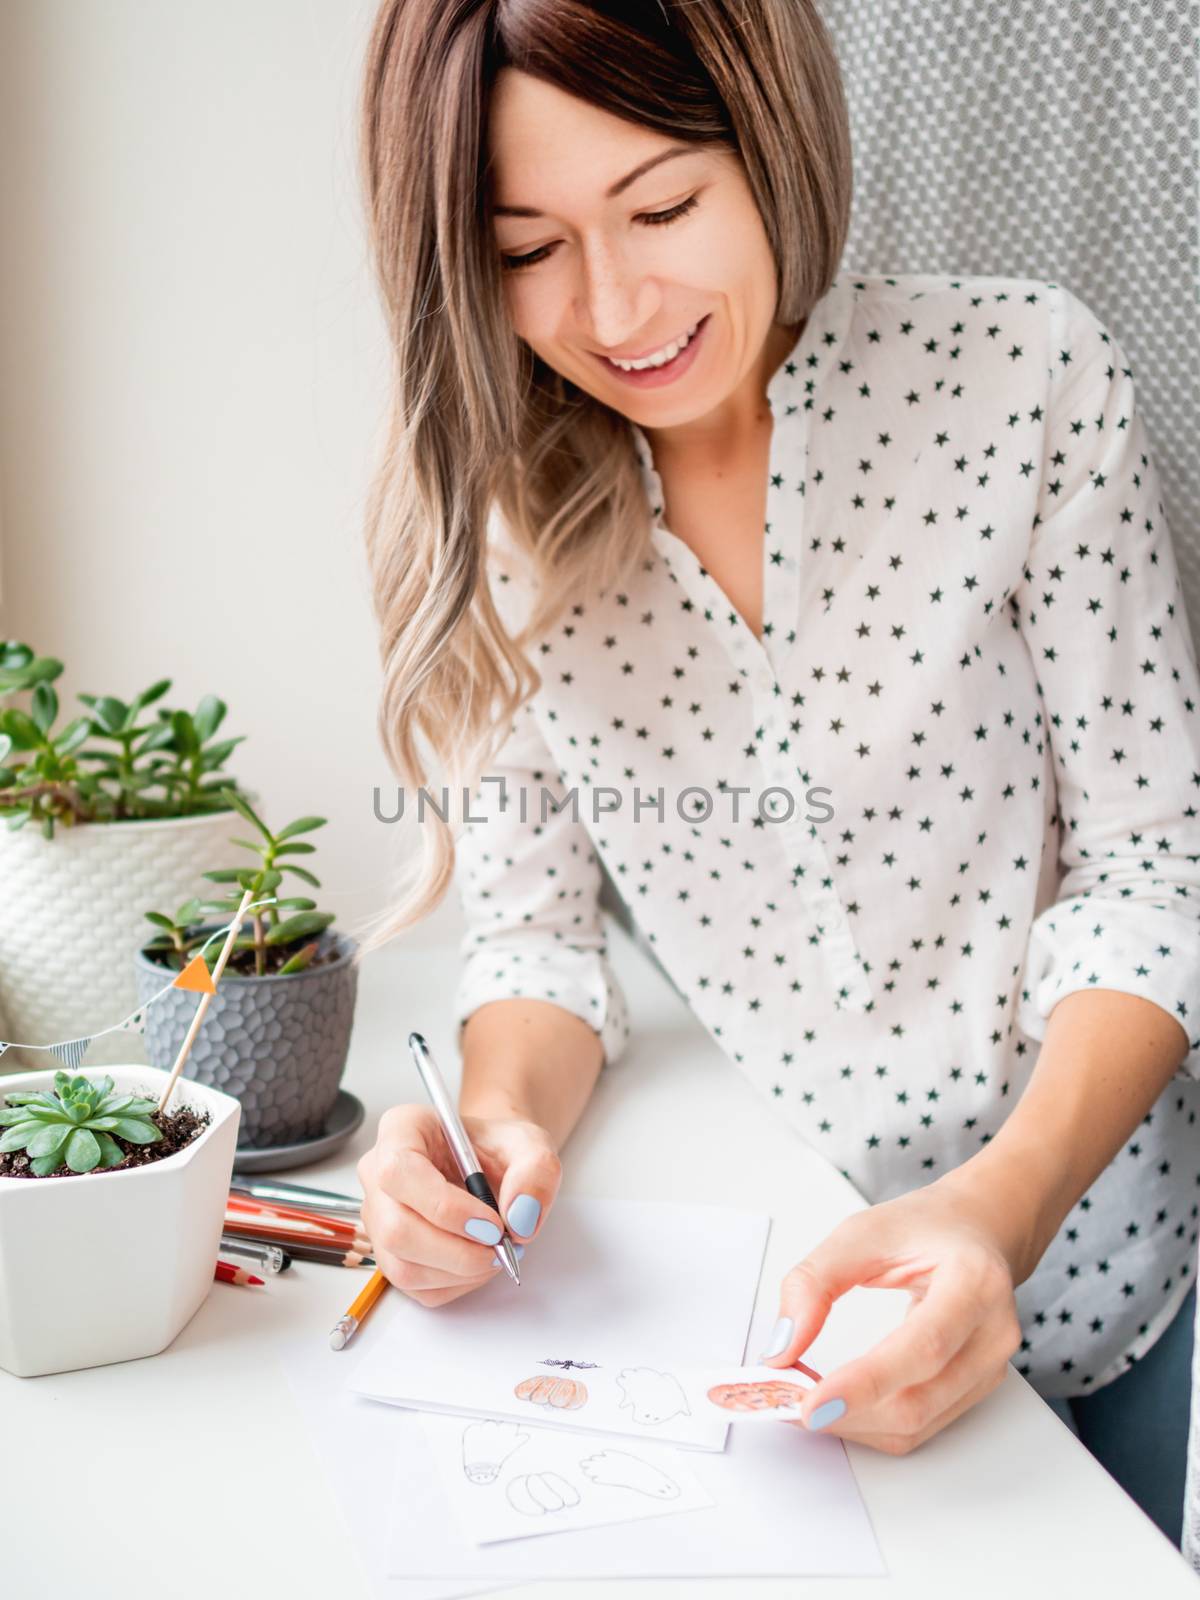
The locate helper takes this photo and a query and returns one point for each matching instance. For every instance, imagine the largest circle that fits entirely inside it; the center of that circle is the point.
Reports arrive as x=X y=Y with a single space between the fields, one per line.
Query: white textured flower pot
x=110 y=1266
x=72 y=914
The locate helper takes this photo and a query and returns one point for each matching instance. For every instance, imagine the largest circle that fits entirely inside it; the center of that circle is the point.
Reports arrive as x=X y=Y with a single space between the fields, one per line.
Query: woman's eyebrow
x=614 y=189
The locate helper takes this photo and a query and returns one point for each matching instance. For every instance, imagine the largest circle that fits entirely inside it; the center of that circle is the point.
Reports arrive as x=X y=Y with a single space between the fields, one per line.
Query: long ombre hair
x=480 y=425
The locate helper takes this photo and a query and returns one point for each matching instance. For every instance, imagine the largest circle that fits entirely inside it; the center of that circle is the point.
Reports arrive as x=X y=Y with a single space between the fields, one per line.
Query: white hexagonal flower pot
x=110 y=1266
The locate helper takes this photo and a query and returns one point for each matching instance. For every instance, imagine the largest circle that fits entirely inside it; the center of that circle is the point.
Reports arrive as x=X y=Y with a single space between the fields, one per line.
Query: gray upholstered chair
x=1041 y=138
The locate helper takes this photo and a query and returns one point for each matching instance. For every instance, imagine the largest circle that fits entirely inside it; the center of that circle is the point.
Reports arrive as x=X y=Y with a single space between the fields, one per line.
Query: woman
x=669 y=506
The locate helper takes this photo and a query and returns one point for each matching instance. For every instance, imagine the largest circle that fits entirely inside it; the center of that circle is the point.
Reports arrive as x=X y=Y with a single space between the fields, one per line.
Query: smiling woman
x=583 y=215
x=760 y=522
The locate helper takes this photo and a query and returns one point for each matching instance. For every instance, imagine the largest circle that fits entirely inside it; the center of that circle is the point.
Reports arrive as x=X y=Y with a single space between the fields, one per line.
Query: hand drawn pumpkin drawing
x=757 y=1396
x=540 y=1492
x=563 y=1394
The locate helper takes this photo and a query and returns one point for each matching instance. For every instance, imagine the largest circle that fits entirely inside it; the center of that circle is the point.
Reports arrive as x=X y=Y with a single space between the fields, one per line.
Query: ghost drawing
x=486 y=1446
x=617 y=1469
x=652 y=1396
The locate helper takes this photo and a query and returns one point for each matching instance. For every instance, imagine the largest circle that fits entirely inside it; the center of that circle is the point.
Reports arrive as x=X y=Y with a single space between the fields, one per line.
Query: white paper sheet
x=668 y=1283
x=786 y=1503
x=506 y=1480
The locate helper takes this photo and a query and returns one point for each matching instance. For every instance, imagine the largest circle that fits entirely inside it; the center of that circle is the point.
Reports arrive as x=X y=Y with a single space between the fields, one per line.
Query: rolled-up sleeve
x=529 y=884
x=1102 y=611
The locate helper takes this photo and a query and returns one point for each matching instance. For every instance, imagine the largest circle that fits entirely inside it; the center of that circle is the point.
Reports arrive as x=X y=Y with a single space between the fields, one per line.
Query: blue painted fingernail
x=523 y=1214
x=780 y=1338
x=485 y=1232
x=824 y=1415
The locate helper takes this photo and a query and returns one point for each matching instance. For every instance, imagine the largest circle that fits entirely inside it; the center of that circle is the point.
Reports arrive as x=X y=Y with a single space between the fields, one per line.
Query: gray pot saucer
x=342 y=1123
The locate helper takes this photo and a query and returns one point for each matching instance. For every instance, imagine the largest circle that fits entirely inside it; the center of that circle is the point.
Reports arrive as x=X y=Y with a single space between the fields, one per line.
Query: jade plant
x=74 y=1126
x=291 y=941
x=109 y=764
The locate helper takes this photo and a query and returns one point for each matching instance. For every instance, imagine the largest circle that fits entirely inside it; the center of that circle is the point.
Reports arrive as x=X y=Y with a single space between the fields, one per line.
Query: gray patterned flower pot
x=277 y=1044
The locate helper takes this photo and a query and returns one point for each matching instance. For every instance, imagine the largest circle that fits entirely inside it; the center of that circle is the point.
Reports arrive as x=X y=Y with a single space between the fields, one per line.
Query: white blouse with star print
x=955 y=780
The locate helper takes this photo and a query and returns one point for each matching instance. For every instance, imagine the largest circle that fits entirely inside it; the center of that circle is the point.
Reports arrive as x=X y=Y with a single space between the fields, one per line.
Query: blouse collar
x=794 y=380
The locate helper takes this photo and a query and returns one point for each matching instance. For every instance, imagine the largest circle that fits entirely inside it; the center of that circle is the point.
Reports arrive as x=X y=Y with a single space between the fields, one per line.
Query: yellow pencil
x=346 y=1327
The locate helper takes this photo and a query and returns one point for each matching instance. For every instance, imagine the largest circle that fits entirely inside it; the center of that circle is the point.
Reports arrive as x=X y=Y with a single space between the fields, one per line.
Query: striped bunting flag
x=71 y=1051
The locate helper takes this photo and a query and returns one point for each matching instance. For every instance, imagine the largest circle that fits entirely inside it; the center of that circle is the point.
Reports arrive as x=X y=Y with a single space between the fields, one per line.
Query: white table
x=202 y=1449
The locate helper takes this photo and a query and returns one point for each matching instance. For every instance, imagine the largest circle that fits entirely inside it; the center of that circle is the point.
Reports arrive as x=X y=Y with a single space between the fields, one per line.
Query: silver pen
x=456 y=1138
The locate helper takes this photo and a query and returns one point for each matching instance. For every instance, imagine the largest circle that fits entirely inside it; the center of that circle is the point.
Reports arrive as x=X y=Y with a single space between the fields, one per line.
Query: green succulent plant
x=298 y=933
x=108 y=765
x=73 y=1127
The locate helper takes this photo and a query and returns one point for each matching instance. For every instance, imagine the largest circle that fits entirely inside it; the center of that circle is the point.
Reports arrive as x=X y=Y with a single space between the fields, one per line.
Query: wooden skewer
x=238 y=915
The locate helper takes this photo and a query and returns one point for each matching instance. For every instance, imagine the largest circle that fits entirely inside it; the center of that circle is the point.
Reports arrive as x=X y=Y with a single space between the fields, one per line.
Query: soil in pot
x=241 y=962
x=178 y=1129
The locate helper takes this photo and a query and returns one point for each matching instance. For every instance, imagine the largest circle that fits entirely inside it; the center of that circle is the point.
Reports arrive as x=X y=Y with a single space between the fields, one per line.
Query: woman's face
x=603 y=278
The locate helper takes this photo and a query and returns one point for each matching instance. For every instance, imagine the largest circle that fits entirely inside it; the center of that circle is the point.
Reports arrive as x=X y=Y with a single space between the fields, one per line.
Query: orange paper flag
x=196 y=976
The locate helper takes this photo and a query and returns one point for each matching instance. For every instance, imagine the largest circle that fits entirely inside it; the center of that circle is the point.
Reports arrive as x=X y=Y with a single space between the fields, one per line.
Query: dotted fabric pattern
x=1052 y=139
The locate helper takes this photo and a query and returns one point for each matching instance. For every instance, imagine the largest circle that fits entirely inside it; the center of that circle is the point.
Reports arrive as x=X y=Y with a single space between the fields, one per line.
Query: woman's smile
x=658 y=371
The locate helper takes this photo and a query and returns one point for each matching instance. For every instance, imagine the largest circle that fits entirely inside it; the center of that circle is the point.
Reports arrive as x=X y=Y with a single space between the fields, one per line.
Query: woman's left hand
x=954 y=1345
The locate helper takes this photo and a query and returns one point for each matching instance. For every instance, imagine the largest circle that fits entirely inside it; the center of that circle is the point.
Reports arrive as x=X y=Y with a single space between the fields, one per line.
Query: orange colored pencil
x=346 y=1327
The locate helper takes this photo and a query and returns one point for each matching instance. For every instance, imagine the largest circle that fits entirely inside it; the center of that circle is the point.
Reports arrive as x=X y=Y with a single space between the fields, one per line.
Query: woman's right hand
x=431 y=1238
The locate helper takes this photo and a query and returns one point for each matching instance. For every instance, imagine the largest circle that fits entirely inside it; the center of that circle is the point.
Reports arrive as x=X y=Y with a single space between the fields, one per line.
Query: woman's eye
x=654 y=219
x=515 y=263
x=672 y=213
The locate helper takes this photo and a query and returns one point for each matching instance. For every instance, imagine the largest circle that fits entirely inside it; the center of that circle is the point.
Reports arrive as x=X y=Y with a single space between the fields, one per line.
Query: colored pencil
x=287 y=1236
x=281 y=1229
x=295 y=1194
x=347 y=1326
x=226 y=1272
x=327 y=1255
x=304 y=1221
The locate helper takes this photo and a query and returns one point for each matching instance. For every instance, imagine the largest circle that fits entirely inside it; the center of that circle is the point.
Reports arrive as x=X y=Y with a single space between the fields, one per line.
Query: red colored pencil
x=226 y=1272
x=311 y=1223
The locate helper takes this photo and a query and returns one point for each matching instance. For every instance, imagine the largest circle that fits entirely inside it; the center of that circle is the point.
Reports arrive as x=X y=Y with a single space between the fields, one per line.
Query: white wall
x=192 y=372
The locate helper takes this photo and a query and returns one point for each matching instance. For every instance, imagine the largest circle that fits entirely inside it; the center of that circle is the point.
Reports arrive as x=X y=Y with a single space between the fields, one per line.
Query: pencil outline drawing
x=653 y=1397
x=536 y=1493
x=486 y=1446
x=620 y=1469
